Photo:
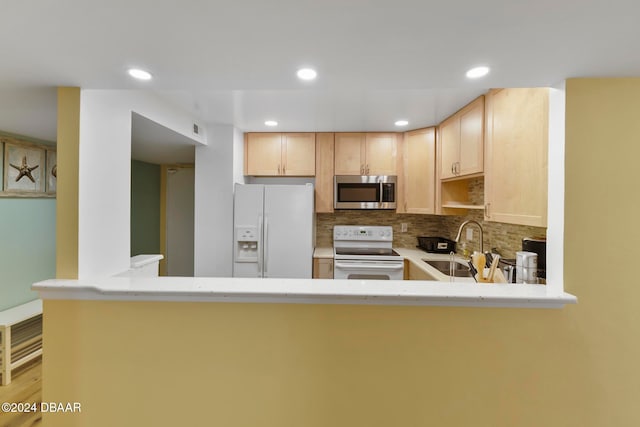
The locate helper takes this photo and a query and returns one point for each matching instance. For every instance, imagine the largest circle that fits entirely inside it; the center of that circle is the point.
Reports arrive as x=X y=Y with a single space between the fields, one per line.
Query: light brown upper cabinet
x=365 y=153
x=419 y=155
x=461 y=145
x=324 y=172
x=516 y=167
x=280 y=154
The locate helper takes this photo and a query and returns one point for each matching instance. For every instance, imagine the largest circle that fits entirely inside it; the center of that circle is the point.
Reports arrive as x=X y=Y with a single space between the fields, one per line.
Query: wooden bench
x=20 y=336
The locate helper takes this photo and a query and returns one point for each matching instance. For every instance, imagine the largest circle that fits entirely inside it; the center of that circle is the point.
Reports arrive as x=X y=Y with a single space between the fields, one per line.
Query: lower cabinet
x=416 y=273
x=323 y=268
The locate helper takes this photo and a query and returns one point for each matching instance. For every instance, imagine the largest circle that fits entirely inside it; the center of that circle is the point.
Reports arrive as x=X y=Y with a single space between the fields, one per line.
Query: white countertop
x=302 y=291
x=462 y=292
x=320 y=252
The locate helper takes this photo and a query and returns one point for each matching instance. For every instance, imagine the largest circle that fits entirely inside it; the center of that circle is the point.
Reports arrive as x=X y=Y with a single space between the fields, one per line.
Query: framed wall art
x=24 y=169
x=1 y=165
x=27 y=169
x=52 y=171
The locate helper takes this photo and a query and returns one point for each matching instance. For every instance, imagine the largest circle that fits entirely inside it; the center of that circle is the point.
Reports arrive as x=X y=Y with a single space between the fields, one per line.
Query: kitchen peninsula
x=303 y=291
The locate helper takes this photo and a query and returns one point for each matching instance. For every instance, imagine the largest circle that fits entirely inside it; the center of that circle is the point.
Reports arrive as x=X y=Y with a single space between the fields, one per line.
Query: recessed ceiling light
x=307 y=74
x=271 y=123
x=401 y=123
x=139 y=74
x=477 y=72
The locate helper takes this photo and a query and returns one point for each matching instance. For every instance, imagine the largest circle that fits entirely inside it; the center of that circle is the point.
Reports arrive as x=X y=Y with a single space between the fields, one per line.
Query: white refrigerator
x=273 y=230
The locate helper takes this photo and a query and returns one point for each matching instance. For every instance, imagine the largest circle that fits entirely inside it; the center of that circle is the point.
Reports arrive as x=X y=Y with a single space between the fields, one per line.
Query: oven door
x=368 y=270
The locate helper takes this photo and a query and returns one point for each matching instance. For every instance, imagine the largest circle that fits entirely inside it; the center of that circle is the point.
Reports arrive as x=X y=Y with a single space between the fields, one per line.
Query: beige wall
x=163 y=364
x=67 y=197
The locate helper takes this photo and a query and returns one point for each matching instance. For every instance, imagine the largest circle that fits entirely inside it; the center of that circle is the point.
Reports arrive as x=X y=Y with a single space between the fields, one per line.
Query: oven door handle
x=372 y=266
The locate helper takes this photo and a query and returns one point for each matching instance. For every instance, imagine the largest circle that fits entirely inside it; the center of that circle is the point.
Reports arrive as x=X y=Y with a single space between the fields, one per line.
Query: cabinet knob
x=283 y=170
x=453 y=168
x=278 y=168
x=367 y=170
x=486 y=210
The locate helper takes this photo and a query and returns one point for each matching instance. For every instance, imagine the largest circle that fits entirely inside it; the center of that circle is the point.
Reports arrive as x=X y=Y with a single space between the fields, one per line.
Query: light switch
x=470 y=234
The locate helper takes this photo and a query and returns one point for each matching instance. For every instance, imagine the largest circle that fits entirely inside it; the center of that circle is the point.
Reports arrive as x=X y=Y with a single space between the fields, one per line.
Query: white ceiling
x=235 y=62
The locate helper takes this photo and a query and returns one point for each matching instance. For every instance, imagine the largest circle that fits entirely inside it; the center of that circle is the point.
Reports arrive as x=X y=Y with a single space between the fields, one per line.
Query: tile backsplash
x=507 y=238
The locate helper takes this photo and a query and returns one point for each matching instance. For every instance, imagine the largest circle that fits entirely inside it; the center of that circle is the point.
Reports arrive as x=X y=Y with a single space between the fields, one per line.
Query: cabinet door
x=416 y=273
x=322 y=268
x=380 y=154
x=263 y=154
x=324 y=172
x=449 y=146
x=472 y=138
x=349 y=153
x=298 y=154
x=419 y=172
x=516 y=161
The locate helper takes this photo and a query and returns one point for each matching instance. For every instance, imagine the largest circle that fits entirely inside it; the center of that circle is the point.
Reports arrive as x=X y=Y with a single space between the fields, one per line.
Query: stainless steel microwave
x=365 y=192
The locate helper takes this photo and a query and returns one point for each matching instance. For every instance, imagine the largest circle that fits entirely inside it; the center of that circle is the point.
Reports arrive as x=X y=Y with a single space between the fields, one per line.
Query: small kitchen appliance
x=537 y=245
x=526 y=267
x=365 y=253
x=436 y=245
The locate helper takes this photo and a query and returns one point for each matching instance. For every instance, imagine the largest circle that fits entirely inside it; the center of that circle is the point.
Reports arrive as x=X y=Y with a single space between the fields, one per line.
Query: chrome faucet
x=464 y=224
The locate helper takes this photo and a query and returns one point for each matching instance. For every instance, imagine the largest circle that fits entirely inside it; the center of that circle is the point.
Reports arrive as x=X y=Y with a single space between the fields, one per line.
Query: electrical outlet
x=404 y=227
x=470 y=234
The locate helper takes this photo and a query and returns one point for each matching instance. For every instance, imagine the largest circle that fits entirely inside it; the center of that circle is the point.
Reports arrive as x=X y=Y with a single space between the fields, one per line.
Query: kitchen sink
x=459 y=269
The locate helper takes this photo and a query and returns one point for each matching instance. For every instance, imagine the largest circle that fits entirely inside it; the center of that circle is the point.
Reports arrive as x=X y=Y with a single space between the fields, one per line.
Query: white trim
x=22 y=312
x=555 y=193
x=142 y=260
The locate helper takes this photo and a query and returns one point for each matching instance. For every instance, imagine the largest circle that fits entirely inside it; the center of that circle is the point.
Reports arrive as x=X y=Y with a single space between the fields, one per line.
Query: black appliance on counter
x=537 y=245
x=436 y=245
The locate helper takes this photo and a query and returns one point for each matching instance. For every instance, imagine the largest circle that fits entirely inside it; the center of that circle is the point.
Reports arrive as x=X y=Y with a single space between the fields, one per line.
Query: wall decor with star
x=26 y=168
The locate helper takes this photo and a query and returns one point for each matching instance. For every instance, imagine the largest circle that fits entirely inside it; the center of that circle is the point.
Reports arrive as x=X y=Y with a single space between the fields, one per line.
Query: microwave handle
x=382 y=200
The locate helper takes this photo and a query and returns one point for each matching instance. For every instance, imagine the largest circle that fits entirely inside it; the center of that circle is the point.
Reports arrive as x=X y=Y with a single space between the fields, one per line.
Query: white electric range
x=365 y=253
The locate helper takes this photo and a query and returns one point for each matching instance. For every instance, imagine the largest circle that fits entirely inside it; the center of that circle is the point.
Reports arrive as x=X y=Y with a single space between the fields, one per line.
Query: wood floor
x=26 y=386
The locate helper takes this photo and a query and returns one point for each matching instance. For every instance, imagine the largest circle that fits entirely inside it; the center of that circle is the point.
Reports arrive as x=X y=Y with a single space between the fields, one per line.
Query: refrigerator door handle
x=260 y=249
x=265 y=249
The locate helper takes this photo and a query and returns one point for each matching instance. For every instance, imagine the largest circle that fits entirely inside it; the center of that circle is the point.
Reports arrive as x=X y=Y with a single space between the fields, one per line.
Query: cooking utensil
x=473 y=270
x=492 y=269
x=489 y=257
x=498 y=277
x=479 y=260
